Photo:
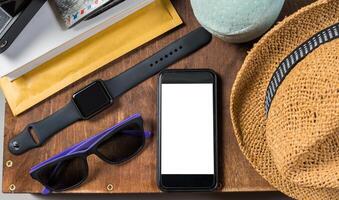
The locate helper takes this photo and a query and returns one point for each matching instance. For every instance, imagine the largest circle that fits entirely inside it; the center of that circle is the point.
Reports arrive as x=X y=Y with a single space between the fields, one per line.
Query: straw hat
x=285 y=104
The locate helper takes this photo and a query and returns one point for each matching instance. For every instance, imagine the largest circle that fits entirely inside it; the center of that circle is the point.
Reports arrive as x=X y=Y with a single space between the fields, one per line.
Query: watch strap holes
x=166 y=56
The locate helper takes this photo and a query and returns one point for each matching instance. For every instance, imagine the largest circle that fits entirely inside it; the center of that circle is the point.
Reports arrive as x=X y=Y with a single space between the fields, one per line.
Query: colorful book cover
x=74 y=11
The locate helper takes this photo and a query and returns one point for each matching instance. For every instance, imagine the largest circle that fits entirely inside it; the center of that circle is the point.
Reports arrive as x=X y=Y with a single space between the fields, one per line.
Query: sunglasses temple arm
x=45 y=191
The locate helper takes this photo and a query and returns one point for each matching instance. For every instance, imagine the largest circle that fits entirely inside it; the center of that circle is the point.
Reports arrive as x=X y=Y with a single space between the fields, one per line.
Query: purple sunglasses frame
x=89 y=146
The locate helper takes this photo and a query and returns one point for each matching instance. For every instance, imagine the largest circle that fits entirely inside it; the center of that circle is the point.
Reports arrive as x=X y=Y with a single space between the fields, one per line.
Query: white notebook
x=45 y=37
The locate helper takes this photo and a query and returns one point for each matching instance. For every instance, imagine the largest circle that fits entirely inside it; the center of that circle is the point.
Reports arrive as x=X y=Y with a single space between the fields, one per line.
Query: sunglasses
x=115 y=145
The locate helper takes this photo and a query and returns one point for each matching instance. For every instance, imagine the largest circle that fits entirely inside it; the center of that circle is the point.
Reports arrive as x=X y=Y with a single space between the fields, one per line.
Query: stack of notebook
x=51 y=32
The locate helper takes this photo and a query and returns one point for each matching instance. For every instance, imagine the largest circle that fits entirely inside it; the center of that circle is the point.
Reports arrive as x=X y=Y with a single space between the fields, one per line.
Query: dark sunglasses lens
x=64 y=174
x=122 y=145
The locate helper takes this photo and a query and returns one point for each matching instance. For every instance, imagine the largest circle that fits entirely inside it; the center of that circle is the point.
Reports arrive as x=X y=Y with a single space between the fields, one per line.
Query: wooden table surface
x=139 y=175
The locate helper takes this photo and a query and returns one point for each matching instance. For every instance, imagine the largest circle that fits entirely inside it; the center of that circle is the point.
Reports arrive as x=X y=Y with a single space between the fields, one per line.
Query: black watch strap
x=43 y=129
x=159 y=61
x=116 y=86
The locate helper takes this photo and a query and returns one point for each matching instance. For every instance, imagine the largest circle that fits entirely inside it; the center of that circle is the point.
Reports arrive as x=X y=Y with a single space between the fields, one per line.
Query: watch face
x=92 y=99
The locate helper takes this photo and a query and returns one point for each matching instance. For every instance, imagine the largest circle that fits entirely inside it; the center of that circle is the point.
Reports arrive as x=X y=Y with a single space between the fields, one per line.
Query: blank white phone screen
x=187 y=131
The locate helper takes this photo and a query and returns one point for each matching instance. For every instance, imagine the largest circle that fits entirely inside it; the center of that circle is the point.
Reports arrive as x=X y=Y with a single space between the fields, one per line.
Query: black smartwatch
x=100 y=94
x=92 y=99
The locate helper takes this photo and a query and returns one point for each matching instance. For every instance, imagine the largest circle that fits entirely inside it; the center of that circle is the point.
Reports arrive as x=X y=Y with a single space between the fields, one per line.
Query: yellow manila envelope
x=67 y=68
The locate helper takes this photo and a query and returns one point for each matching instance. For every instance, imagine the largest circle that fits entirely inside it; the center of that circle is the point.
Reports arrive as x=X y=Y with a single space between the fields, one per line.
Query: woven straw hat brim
x=248 y=92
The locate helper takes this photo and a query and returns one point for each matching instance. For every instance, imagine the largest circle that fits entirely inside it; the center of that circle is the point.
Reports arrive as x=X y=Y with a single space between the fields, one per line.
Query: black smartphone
x=187 y=127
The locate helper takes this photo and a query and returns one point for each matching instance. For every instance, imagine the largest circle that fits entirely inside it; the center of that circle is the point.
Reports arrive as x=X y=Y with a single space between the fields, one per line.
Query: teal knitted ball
x=237 y=21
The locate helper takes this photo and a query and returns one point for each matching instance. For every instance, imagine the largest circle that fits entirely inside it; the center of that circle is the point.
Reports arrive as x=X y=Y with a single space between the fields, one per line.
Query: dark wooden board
x=139 y=175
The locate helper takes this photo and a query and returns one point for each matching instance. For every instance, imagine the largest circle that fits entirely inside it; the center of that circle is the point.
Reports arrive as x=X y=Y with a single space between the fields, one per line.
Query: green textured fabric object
x=237 y=21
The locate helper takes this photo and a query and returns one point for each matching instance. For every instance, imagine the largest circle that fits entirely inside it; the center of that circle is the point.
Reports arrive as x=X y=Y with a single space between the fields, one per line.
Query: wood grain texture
x=139 y=175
